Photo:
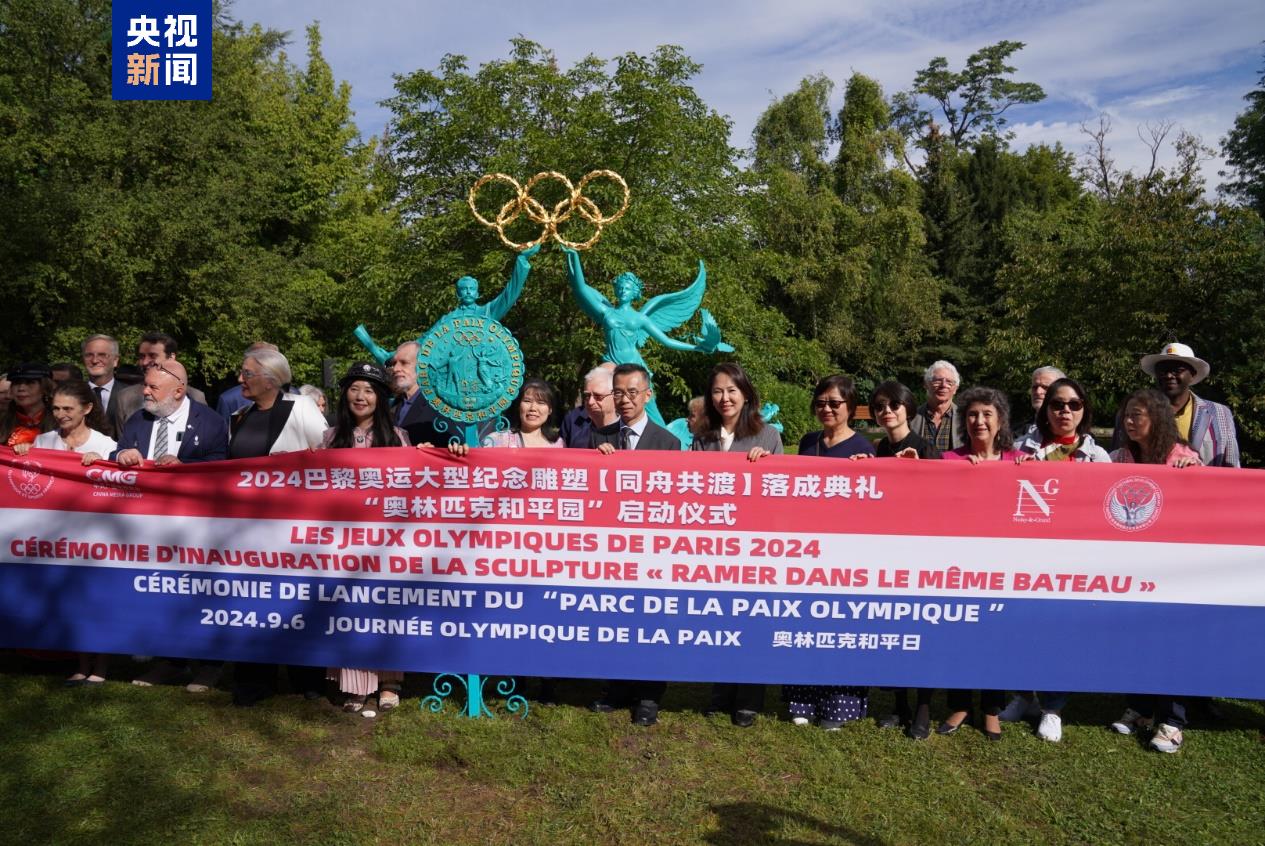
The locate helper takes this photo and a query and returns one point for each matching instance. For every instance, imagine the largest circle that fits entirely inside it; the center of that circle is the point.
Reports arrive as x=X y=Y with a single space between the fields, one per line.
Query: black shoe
x=743 y=719
x=646 y=713
x=946 y=728
x=890 y=721
x=602 y=706
x=249 y=695
x=920 y=728
x=547 y=695
x=313 y=695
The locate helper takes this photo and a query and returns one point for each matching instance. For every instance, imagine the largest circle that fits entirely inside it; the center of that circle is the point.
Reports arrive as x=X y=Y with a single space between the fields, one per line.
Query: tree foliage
x=1244 y=149
x=1095 y=285
x=972 y=102
x=221 y=222
x=635 y=114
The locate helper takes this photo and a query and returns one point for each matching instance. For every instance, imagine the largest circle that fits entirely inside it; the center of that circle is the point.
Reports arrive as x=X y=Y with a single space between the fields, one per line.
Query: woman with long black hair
x=363 y=420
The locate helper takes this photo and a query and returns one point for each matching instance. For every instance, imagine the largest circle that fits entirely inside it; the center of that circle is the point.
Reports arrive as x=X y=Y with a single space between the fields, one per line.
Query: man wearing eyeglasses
x=1207 y=426
x=634 y=429
x=154 y=348
x=631 y=391
x=597 y=408
x=170 y=429
x=936 y=420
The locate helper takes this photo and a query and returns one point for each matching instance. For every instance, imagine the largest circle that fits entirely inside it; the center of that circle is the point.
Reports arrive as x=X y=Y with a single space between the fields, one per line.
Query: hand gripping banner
x=677 y=566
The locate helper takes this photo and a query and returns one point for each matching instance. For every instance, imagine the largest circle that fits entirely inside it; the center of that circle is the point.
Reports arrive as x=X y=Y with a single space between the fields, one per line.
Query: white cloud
x=1137 y=60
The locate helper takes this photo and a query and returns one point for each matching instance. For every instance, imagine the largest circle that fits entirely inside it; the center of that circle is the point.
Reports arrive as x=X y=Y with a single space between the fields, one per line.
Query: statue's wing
x=1146 y=509
x=1118 y=510
x=669 y=311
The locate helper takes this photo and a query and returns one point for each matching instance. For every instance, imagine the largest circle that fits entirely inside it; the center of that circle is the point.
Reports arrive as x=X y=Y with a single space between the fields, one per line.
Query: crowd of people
x=152 y=416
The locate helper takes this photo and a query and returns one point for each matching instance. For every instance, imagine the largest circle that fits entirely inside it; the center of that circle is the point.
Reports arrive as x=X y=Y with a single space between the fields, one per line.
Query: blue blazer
x=205 y=437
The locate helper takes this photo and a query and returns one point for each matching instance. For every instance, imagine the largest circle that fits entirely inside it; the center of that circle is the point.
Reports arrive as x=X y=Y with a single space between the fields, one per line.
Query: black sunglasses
x=822 y=403
x=1070 y=405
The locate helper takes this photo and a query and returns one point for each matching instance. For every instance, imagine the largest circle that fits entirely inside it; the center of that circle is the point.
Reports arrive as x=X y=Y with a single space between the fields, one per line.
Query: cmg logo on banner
x=161 y=49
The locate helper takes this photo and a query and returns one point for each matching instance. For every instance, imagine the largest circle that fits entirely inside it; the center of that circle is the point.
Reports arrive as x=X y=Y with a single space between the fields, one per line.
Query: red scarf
x=26 y=430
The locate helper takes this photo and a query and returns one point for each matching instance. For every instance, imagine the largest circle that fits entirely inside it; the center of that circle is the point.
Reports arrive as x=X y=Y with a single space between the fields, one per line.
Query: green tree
x=635 y=114
x=1096 y=284
x=221 y=222
x=972 y=102
x=841 y=243
x=1244 y=149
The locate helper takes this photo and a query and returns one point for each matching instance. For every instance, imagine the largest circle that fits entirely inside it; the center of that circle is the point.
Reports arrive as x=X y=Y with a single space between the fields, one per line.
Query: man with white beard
x=169 y=429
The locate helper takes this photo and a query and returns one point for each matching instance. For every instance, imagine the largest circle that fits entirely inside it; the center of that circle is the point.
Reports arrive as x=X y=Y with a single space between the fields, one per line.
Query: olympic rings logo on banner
x=523 y=203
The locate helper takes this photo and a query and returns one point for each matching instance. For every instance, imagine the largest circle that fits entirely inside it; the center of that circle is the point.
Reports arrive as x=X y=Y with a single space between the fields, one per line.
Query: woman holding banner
x=1061 y=433
x=533 y=419
x=834 y=403
x=893 y=406
x=985 y=423
x=1151 y=429
x=363 y=420
x=273 y=422
x=732 y=423
x=81 y=427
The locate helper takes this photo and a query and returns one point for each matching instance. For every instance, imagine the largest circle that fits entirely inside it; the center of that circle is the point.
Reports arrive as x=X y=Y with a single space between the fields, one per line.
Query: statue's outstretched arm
x=666 y=339
x=380 y=355
x=499 y=307
x=591 y=302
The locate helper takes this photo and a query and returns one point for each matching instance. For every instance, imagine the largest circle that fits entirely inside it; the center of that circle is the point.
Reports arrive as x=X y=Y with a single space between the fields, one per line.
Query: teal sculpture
x=469 y=366
x=626 y=329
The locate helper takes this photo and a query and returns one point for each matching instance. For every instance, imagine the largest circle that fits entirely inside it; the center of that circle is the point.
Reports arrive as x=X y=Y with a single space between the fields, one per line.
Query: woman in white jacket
x=273 y=423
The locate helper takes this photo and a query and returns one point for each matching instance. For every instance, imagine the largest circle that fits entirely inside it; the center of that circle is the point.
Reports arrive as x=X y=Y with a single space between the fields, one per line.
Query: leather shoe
x=947 y=728
x=601 y=706
x=743 y=719
x=646 y=713
x=920 y=728
x=889 y=721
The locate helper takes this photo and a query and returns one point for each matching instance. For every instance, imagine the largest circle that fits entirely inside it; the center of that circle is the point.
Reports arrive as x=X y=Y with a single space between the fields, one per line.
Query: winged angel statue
x=627 y=329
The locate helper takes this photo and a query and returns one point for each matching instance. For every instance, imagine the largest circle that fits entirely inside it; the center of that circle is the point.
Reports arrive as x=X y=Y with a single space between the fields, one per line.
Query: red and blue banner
x=677 y=566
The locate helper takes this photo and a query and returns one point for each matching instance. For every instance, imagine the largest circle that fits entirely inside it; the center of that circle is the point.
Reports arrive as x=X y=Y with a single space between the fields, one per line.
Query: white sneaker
x=800 y=721
x=1167 y=738
x=1051 y=728
x=1020 y=707
x=1130 y=721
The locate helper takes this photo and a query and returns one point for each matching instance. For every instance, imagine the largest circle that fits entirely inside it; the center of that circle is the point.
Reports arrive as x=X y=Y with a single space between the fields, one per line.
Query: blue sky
x=1138 y=61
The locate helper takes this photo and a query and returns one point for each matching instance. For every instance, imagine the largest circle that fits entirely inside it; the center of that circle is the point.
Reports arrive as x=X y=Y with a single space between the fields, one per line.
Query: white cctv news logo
x=1035 y=501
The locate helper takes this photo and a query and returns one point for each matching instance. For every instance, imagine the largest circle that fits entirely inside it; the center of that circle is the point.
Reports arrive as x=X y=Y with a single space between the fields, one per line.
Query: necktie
x=160 y=442
x=96 y=389
x=625 y=437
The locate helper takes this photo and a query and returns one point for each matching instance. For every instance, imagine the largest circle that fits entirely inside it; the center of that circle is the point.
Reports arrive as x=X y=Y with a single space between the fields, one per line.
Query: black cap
x=364 y=371
x=29 y=372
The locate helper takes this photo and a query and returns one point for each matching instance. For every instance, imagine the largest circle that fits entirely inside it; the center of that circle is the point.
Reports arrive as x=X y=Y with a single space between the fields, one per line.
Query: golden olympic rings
x=549 y=219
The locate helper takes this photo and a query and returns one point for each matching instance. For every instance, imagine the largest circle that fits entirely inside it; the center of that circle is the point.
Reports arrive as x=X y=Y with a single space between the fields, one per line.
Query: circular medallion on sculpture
x=470 y=367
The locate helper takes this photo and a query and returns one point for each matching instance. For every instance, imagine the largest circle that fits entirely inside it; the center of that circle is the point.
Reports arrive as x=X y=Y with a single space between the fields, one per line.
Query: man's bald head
x=165 y=385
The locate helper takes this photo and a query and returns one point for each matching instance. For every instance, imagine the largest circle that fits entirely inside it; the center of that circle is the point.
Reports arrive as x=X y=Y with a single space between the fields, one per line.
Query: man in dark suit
x=170 y=429
x=633 y=430
x=596 y=411
x=100 y=355
x=413 y=413
x=154 y=348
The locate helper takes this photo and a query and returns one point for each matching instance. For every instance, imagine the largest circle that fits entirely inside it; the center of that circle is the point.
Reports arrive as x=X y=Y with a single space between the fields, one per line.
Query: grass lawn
x=120 y=764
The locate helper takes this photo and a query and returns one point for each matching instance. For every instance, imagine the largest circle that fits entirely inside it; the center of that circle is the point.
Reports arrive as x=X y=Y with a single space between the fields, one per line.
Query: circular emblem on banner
x=28 y=481
x=469 y=367
x=1133 y=504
